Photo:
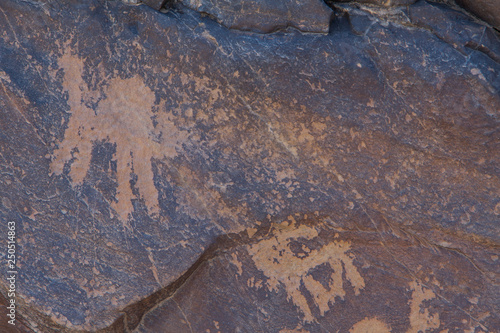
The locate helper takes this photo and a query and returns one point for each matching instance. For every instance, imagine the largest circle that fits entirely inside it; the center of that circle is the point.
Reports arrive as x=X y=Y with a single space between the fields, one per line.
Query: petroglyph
x=372 y=325
x=420 y=319
x=124 y=117
x=284 y=268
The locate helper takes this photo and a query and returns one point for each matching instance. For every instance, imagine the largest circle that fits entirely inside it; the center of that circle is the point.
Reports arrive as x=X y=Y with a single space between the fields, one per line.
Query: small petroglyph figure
x=283 y=268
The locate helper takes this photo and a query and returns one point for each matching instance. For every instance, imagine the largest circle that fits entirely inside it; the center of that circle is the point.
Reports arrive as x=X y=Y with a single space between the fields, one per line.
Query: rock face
x=167 y=174
x=488 y=10
x=267 y=15
x=156 y=4
x=383 y=3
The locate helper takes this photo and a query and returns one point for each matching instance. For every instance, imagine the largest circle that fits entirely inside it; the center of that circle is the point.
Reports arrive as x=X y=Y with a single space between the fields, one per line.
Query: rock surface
x=383 y=3
x=155 y=4
x=488 y=10
x=267 y=15
x=167 y=174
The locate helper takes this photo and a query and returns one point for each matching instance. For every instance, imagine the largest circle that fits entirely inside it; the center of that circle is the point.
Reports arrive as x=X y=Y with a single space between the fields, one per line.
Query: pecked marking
x=124 y=117
x=283 y=268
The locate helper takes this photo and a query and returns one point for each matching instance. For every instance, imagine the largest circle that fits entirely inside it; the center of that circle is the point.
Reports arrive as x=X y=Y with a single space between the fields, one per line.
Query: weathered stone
x=383 y=3
x=167 y=174
x=5 y=315
x=311 y=276
x=461 y=32
x=488 y=10
x=267 y=15
x=155 y=4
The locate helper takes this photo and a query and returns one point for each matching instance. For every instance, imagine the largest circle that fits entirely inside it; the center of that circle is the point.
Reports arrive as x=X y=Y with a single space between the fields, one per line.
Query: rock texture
x=488 y=10
x=267 y=15
x=383 y=3
x=156 y=4
x=167 y=174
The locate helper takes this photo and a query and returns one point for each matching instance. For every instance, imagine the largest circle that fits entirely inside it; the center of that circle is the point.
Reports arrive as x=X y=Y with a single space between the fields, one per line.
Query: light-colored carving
x=124 y=116
x=283 y=268
x=370 y=325
x=420 y=318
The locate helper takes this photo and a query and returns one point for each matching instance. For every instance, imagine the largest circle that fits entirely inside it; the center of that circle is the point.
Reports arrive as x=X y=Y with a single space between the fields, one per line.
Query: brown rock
x=9 y=313
x=155 y=4
x=383 y=3
x=267 y=15
x=487 y=10
x=309 y=276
